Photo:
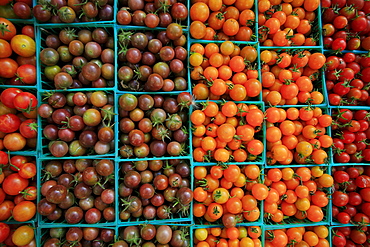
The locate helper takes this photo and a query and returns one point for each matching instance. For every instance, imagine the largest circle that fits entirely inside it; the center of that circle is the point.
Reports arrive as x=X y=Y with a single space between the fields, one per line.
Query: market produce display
x=173 y=123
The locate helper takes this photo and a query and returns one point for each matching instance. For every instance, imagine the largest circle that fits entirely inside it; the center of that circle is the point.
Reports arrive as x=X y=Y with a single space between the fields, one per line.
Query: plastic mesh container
x=333 y=134
x=255 y=65
x=294 y=222
x=94 y=23
x=185 y=24
x=125 y=154
x=260 y=159
x=27 y=150
x=44 y=31
x=316 y=32
x=124 y=87
x=44 y=222
x=44 y=142
x=318 y=85
x=175 y=217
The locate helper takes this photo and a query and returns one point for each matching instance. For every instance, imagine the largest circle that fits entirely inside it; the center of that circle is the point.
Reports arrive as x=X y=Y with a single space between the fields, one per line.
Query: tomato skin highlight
x=9 y=123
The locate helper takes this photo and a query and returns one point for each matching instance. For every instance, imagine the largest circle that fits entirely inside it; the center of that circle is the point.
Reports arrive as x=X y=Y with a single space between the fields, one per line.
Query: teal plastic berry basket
x=185 y=24
x=299 y=223
x=351 y=106
x=184 y=227
x=325 y=110
x=333 y=111
x=27 y=150
x=255 y=65
x=44 y=222
x=34 y=182
x=186 y=124
x=259 y=160
x=194 y=227
x=319 y=84
x=122 y=86
x=253 y=27
x=19 y=24
x=316 y=33
x=44 y=31
x=185 y=217
x=202 y=222
x=43 y=233
x=44 y=142
x=94 y=23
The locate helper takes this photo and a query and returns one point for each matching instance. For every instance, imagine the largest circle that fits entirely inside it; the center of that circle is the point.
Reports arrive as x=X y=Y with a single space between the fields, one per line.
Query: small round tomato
x=23 y=235
x=25 y=102
x=23 y=45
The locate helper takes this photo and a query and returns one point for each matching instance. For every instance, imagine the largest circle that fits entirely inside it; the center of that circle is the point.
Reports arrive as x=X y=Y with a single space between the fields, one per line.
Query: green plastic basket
x=91 y=24
x=43 y=146
x=175 y=218
x=316 y=32
x=43 y=232
x=44 y=222
x=256 y=64
x=260 y=136
x=332 y=110
x=353 y=106
x=187 y=124
x=325 y=110
x=32 y=221
x=319 y=84
x=44 y=31
x=327 y=220
x=185 y=24
x=135 y=29
x=180 y=226
x=26 y=151
x=254 y=28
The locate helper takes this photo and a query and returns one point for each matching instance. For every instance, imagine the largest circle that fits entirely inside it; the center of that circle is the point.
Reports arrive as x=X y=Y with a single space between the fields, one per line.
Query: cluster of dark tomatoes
x=77 y=123
x=78 y=58
x=77 y=191
x=153 y=61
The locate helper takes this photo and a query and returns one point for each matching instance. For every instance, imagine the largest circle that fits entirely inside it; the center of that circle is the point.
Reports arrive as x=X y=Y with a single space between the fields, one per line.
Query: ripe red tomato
x=14 y=184
x=4 y=231
x=27 y=74
x=28 y=128
x=8 y=67
x=9 y=123
x=25 y=102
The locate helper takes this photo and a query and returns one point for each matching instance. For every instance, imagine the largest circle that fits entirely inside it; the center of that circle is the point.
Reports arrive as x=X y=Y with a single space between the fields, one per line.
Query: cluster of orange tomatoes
x=226 y=132
x=223 y=195
x=297 y=194
x=226 y=19
x=298 y=236
x=224 y=237
x=290 y=23
x=289 y=79
x=297 y=135
x=224 y=71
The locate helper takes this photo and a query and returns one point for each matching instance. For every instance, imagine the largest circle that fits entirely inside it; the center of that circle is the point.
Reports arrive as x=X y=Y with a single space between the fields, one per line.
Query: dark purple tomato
x=146 y=191
x=45 y=208
x=154 y=46
x=58 y=148
x=138 y=18
x=82 y=191
x=165 y=19
x=164 y=234
x=91 y=71
x=50 y=132
x=73 y=215
x=132 y=179
x=105 y=167
x=68 y=202
x=179 y=11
